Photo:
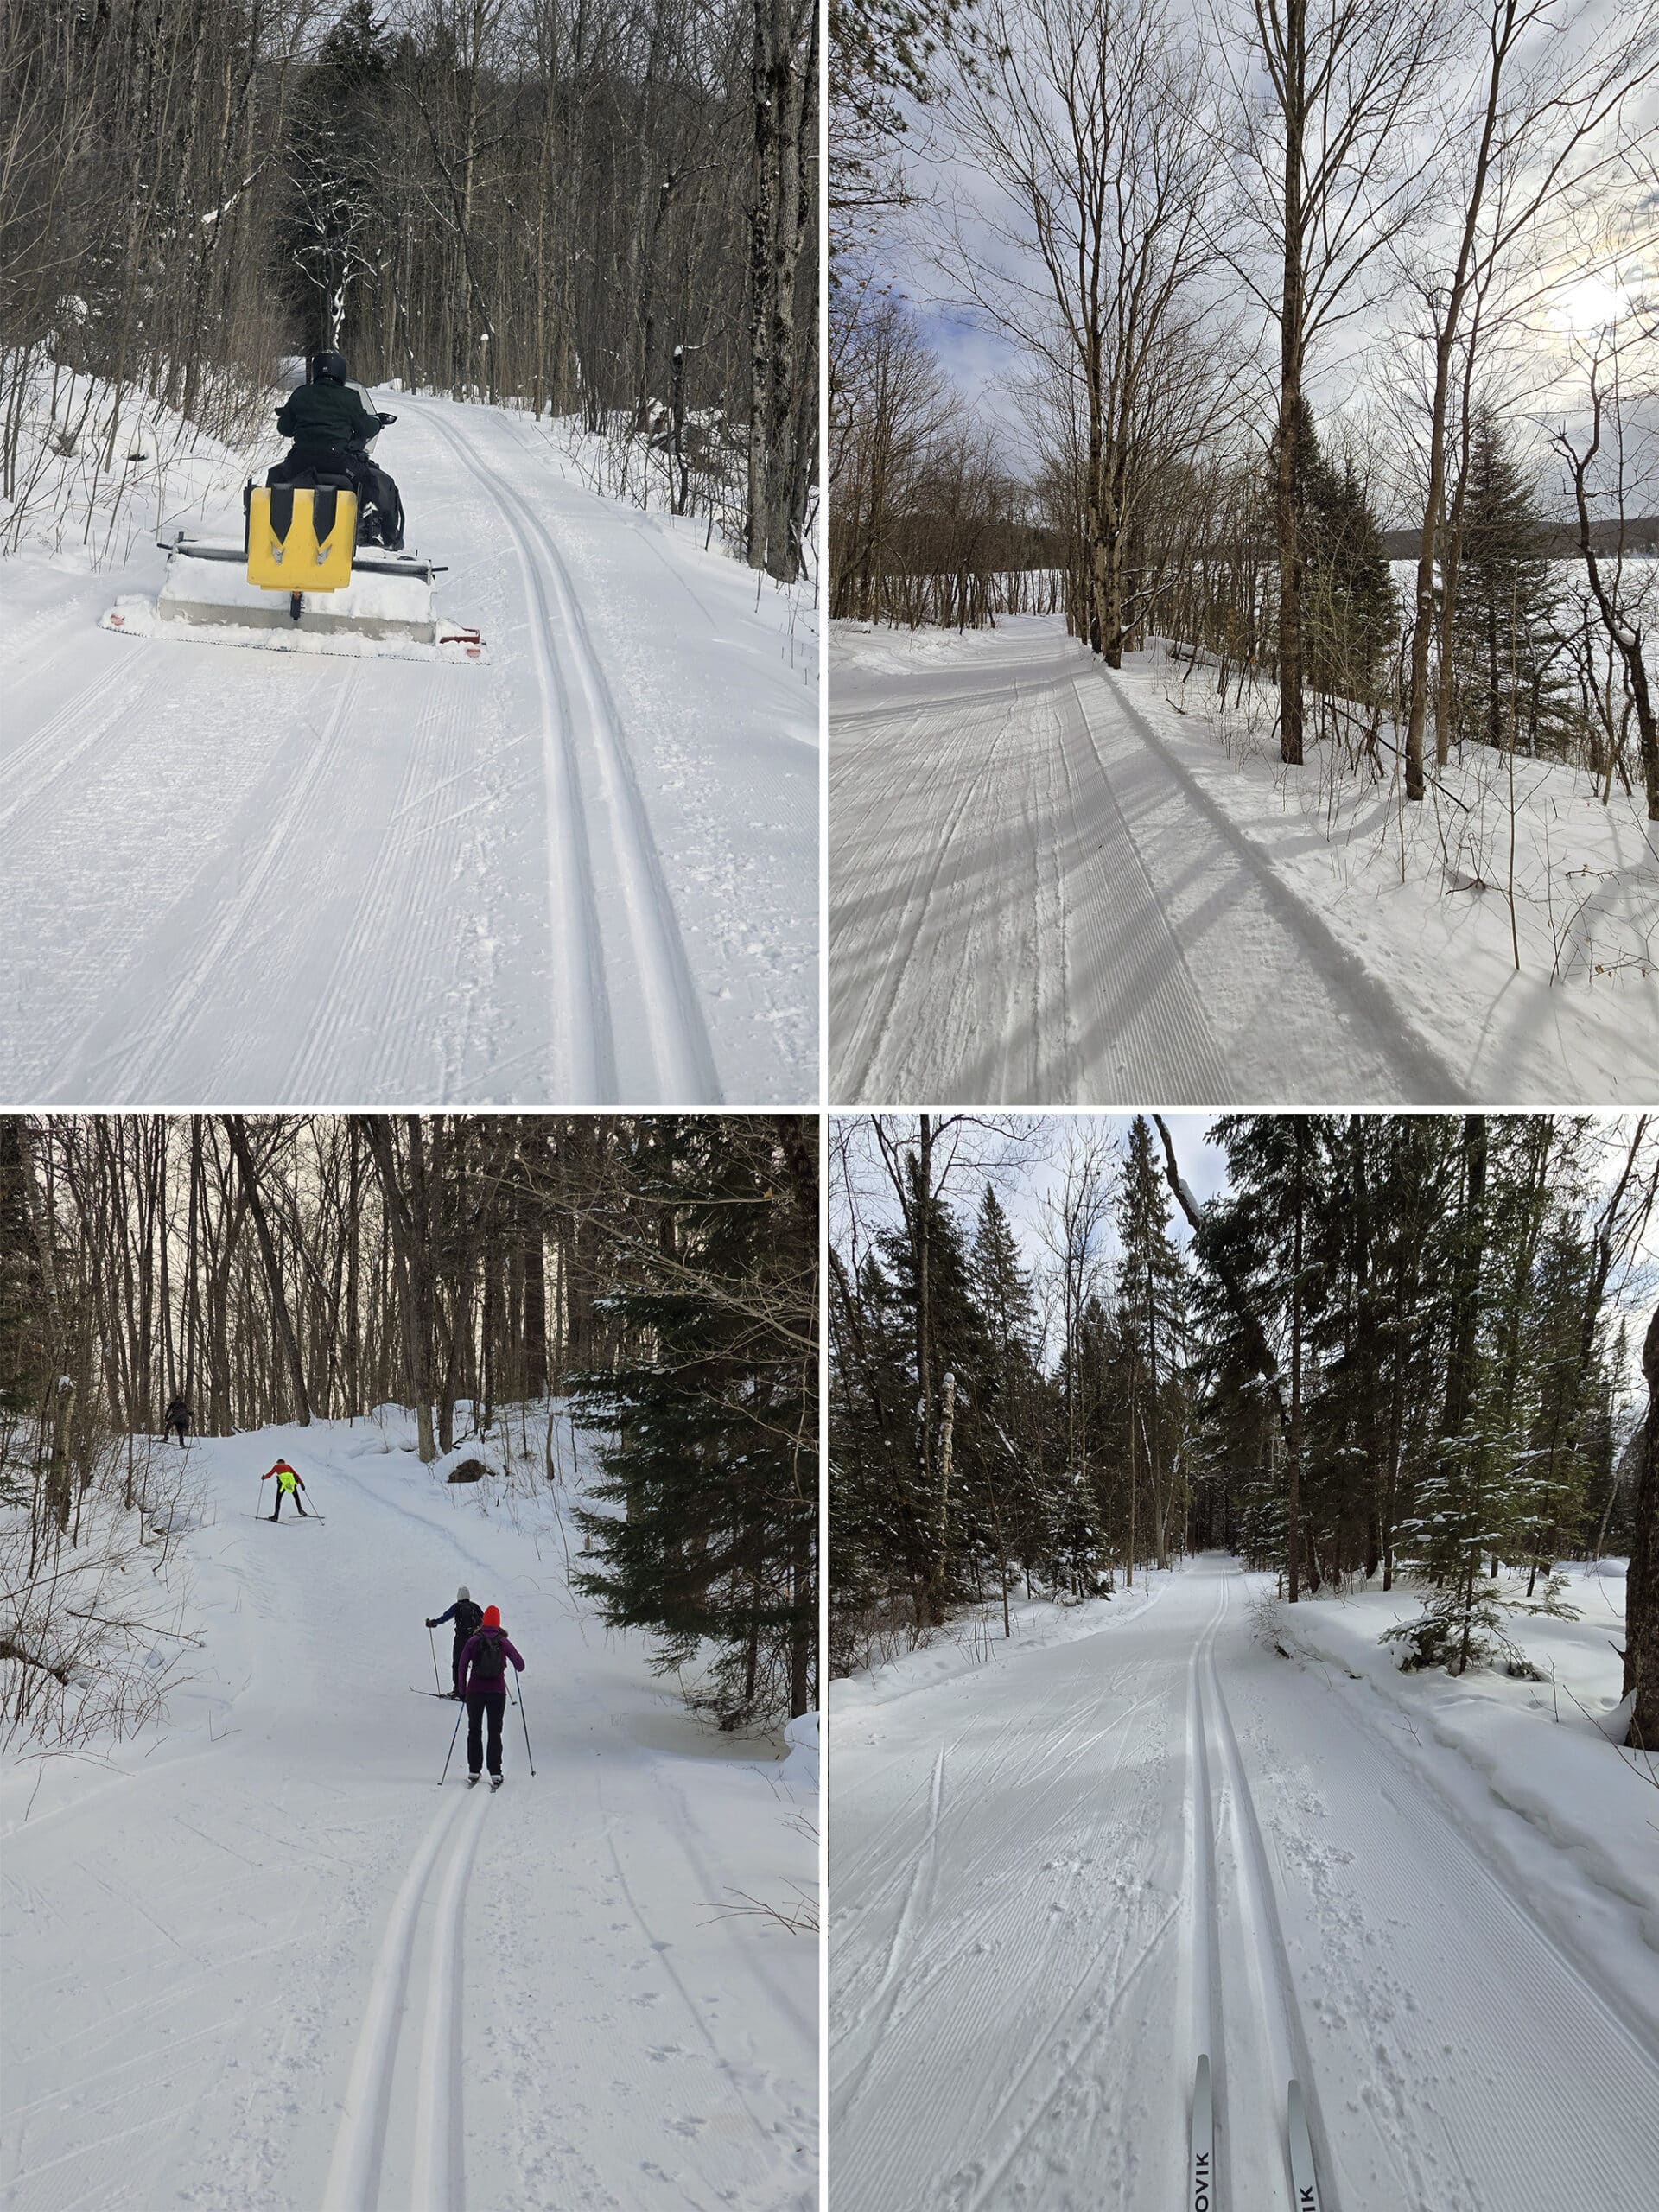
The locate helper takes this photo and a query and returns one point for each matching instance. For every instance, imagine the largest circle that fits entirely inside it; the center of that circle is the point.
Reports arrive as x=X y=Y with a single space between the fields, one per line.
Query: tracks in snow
x=1274 y=2032
x=358 y=2179
x=602 y=856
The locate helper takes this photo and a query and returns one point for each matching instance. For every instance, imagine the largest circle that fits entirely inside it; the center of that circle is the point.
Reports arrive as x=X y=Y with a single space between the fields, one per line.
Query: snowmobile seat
x=300 y=537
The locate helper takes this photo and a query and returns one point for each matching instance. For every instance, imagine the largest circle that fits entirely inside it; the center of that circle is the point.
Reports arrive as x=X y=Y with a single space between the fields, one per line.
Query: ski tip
x=1304 y=2182
x=1201 y=2168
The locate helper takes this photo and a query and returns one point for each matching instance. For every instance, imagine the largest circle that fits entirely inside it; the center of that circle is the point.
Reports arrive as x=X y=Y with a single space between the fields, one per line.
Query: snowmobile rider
x=484 y=1685
x=288 y=1485
x=465 y=1616
x=331 y=428
x=179 y=1416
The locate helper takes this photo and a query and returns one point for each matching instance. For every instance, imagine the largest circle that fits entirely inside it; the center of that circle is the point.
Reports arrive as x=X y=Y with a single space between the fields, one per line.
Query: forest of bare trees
x=1277 y=276
x=1394 y=1349
x=311 y=1268
x=590 y=207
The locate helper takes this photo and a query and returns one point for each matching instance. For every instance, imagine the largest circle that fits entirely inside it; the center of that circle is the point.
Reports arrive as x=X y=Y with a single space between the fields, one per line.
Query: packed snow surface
x=586 y=871
x=1059 y=1880
x=1052 y=883
x=259 y=1960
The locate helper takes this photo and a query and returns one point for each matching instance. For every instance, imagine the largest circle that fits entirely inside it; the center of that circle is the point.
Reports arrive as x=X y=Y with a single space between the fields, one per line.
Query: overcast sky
x=1355 y=368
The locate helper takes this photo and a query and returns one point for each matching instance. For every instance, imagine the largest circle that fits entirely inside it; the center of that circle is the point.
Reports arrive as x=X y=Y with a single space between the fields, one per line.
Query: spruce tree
x=1152 y=1312
x=1511 y=675
x=709 y=1462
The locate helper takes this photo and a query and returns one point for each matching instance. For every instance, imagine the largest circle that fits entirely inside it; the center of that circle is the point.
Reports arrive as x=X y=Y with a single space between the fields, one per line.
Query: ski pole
x=433 y=1641
x=444 y=1776
x=529 y=1754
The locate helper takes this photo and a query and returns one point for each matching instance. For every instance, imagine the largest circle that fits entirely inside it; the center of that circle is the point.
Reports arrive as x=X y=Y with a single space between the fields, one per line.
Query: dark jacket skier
x=179 y=1416
x=465 y=1616
x=484 y=1685
x=331 y=427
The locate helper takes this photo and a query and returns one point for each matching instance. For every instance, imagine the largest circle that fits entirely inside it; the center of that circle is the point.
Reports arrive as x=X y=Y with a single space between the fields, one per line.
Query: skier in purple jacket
x=483 y=1677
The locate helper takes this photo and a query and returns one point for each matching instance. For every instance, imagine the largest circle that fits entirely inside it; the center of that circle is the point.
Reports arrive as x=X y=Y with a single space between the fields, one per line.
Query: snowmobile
x=314 y=576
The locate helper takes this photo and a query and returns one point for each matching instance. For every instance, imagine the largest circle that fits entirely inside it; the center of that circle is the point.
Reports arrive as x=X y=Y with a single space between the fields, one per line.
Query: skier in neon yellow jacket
x=288 y=1485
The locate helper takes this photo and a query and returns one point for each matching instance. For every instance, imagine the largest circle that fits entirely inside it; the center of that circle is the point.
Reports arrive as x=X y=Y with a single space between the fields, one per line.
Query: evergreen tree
x=711 y=1464
x=1510 y=674
x=1152 y=1312
x=1349 y=609
x=334 y=229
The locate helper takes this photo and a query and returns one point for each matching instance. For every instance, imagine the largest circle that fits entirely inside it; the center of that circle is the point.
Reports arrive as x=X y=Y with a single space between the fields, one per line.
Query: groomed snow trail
x=1030 y=905
x=1164 y=1839
x=270 y=1966
x=587 y=871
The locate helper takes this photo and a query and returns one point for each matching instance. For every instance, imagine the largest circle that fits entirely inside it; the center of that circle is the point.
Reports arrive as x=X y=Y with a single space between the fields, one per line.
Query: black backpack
x=467 y=1617
x=489 y=1660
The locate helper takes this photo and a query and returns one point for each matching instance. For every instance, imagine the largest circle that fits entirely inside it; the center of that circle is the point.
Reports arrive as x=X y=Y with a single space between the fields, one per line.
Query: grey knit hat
x=463 y=1595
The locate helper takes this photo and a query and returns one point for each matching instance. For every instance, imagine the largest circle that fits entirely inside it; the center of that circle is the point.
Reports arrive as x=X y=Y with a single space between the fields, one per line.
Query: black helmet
x=329 y=368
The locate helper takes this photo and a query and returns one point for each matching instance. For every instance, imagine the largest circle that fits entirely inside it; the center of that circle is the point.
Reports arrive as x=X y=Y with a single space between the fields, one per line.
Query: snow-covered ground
x=1053 y=884
x=257 y=1959
x=1056 y=1881
x=586 y=871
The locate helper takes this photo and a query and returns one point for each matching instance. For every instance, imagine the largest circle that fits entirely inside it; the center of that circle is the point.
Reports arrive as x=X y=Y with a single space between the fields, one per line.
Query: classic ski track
x=1203 y=1935
x=170 y=1021
x=438 y=2184
x=1111 y=924
x=588 y=1047
x=677 y=1015
x=681 y=1055
x=1259 y=1915
x=354 y=2170
x=876 y=1026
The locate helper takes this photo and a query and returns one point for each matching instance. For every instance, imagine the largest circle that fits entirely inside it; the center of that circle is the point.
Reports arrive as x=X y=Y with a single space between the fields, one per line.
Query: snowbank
x=800 y=1768
x=1581 y=1842
x=974 y=1639
x=1512 y=918
x=98 y=479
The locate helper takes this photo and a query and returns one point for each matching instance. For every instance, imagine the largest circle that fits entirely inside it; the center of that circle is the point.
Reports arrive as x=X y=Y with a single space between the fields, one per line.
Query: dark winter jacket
x=323 y=417
x=471 y=1653
x=465 y=1616
x=176 y=1412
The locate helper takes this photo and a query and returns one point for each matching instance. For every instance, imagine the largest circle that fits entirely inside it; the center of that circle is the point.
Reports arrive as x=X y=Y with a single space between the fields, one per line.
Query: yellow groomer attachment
x=300 y=540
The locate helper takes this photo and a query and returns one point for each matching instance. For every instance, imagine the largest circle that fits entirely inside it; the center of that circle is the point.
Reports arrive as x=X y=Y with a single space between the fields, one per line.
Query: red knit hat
x=491 y=1616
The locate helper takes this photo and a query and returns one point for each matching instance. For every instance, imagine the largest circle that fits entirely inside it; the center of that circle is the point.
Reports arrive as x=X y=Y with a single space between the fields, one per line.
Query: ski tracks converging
x=359 y=2179
x=601 y=849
